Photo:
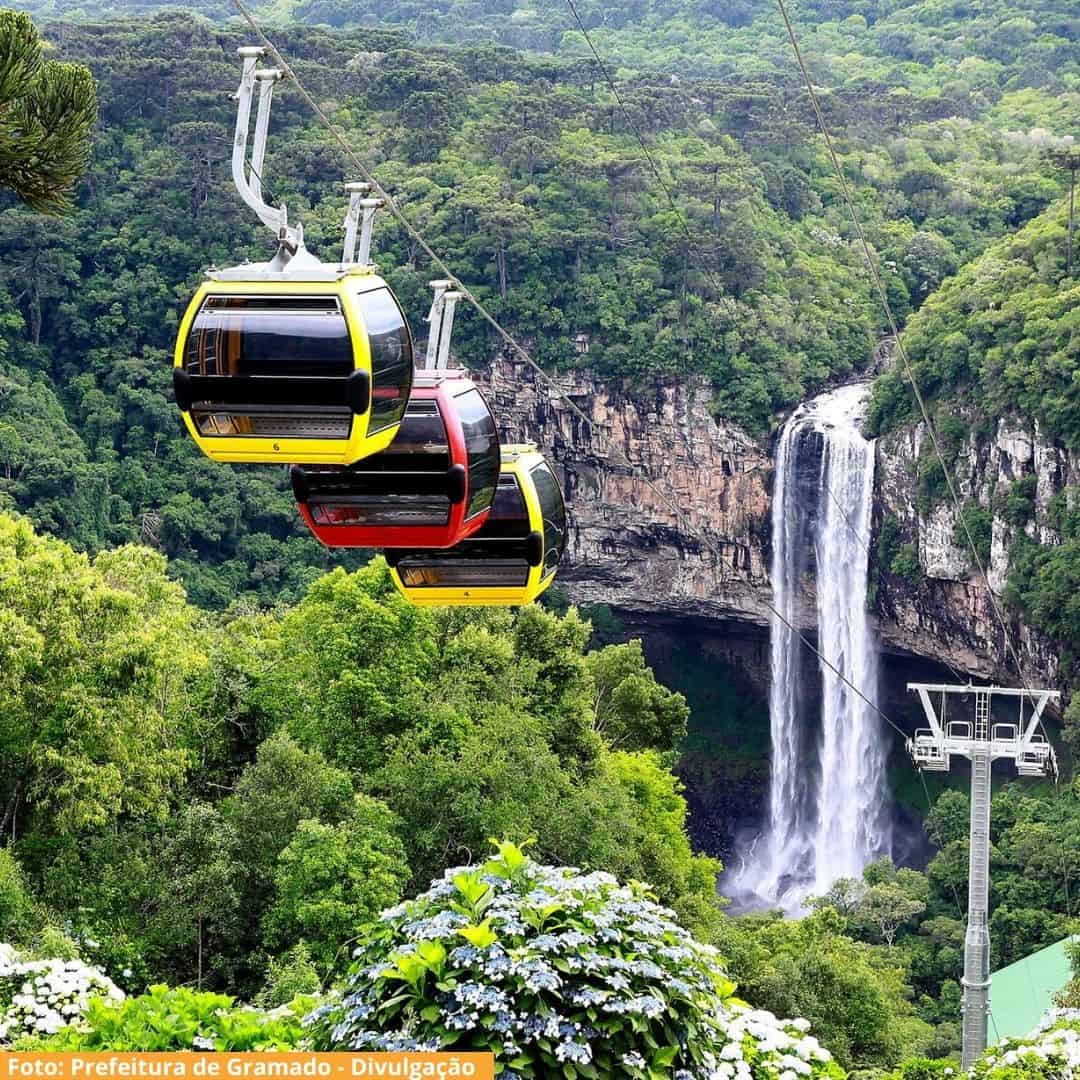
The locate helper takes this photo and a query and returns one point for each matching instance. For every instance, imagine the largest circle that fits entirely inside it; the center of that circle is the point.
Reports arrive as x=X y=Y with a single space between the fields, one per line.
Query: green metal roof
x=1021 y=992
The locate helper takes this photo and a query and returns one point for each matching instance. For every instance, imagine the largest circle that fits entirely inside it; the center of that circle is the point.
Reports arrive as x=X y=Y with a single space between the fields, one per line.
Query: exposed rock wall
x=629 y=549
x=951 y=610
x=627 y=546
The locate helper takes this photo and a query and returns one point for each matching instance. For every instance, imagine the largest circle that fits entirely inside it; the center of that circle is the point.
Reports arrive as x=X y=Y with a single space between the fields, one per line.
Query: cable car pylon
x=982 y=742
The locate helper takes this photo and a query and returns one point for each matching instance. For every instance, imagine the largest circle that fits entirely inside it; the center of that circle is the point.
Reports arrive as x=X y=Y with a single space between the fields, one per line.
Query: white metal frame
x=250 y=186
x=441 y=322
x=292 y=260
x=932 y=748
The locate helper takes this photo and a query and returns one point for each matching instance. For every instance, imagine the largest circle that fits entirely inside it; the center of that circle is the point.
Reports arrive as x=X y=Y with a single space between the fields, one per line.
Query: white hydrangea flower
x=53 y=994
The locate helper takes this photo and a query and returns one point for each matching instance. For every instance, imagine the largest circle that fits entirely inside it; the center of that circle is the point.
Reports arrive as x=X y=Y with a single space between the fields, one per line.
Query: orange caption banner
x=291 y=1065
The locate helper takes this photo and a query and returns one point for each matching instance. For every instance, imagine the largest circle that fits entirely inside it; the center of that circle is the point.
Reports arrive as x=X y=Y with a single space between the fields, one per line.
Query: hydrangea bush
x=560 y=974
x=39 y=997
x=1052 y=1051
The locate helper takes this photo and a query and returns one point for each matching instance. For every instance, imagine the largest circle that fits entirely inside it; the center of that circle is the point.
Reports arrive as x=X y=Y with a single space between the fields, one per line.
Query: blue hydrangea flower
x=579 y=1053
x=579 y=962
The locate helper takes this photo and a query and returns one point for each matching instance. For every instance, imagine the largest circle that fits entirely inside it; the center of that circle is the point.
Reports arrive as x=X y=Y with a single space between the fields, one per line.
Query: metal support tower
x=981 y=742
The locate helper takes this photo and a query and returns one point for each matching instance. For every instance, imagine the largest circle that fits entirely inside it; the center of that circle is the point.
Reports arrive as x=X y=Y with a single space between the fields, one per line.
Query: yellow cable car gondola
x=511 y=560
x=294 y=369
x=292 y=359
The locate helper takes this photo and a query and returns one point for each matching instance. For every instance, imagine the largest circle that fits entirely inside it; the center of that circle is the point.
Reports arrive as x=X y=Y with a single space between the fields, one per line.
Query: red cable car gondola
x=432 y=487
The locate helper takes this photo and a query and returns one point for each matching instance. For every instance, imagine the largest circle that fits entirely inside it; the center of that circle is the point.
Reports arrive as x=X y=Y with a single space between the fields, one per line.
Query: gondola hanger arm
x=360 y=216
x=249 y=187
x=441 y=323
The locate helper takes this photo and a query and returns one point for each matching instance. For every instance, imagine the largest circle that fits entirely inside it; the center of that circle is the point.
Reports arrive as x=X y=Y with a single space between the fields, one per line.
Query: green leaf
x=481 y=936
x=665 y=1056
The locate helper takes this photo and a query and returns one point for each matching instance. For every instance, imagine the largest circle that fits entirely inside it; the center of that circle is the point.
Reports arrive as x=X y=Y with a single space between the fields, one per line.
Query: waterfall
x=827 y=800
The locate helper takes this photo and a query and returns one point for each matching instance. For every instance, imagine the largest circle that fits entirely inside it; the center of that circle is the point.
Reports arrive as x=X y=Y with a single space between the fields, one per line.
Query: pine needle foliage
x=48 y=111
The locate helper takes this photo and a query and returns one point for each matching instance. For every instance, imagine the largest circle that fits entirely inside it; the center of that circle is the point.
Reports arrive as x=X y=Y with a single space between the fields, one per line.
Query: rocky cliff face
x=630 y=549
x=951 y=610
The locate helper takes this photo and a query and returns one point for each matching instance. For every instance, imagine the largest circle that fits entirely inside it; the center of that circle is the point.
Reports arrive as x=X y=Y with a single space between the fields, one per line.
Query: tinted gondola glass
x=401 y=487
x=260 y=336
x=421 y=444
x=496 y=557
x=449 y=573
x=391 y=357
x=482 y=447
x=269 y=335
x=394 y=511
x=554 y=512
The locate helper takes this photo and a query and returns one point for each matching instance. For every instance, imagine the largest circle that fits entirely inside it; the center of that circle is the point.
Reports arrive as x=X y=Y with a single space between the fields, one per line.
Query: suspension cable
x=901 y=349
x=414 y=234
x=512 y=342
x=894 y=329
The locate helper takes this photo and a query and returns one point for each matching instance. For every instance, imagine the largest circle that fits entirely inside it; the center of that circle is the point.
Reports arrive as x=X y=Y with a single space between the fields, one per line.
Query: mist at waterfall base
x=827 y=813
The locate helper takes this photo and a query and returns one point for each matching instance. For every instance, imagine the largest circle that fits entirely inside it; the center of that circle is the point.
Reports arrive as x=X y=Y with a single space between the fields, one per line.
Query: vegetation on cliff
x=521 y=169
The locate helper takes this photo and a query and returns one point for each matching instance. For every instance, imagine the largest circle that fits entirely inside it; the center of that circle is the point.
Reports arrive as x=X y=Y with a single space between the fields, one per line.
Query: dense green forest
x=217 y=760
x=222 y=800
x=521 y=170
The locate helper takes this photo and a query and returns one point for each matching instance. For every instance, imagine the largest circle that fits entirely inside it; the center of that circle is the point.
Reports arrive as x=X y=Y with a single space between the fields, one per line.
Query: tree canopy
x=521 y=169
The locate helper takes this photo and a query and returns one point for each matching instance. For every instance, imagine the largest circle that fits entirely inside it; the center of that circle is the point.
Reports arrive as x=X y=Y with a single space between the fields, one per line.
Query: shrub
x=932 y=486
x=39 y=997
x=180 y=1019
x=1018 y=502
x=291 y=975
x=925 y=1069
x=906 y=565
x=560 y=974
x=16 y=905
x=1052 y=1051
x=53 y=943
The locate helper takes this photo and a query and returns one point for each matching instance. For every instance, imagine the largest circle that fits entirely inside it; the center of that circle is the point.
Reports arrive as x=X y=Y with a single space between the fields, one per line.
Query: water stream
x=827 y=815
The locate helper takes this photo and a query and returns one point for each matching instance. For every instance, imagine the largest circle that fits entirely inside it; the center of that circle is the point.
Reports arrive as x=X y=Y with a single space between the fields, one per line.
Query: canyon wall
x=951 y=610
x=669 y=509
x=670 y=514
